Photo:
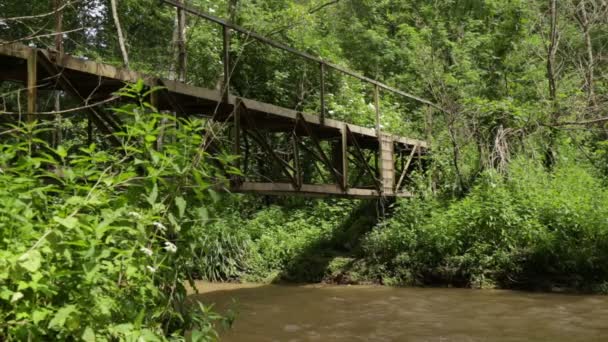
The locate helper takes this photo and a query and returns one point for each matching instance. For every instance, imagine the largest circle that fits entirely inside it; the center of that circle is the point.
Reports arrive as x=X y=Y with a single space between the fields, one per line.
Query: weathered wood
x=237 y=135
x=296 y=160
x=359 y=155
x=405 y=167
x=32 y=85
x=387 y=164
x=103 y=121
x=323 y=156
x=77 y=76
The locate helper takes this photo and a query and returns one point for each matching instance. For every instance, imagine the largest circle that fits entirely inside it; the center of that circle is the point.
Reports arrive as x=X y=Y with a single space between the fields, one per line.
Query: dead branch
x=28 y=17
x=66 y=111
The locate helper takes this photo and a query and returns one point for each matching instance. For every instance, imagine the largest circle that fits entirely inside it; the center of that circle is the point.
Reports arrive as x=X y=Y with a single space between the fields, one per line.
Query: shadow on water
x=314 y=263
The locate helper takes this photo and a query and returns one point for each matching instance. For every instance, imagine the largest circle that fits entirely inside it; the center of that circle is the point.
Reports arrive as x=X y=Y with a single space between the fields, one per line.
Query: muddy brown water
x=374 y=313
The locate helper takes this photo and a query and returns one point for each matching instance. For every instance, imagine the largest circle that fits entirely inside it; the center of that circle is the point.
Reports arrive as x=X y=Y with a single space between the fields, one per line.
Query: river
x=375 y=313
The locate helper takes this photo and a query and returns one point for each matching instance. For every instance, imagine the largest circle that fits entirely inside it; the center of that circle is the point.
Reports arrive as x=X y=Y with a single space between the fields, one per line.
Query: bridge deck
x=94 y=81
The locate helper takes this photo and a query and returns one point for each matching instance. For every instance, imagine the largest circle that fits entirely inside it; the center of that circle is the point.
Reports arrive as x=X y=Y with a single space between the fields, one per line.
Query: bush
x=93 y=241
x=532 y=229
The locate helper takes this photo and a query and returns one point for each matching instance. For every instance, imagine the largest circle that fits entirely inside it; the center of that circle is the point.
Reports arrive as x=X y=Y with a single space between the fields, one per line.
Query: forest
x=99 y=242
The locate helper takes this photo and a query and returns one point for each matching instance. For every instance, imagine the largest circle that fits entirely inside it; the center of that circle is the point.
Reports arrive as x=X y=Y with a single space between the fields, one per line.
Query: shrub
x=93 y=241
x=533 y=229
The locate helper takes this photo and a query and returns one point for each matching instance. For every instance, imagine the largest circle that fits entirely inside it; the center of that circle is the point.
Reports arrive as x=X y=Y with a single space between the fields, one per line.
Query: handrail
x=323 y=63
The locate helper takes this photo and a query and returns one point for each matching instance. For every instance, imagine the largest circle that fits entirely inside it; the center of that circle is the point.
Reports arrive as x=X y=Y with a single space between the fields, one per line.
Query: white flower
x=212 y=10
x=151 y=269
x=170 y=247
x=134 y=215
x=146 y=251
x=160 y=226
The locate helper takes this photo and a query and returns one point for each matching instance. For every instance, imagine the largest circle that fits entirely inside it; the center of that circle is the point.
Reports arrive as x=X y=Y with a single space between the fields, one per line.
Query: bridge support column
x=387 y=164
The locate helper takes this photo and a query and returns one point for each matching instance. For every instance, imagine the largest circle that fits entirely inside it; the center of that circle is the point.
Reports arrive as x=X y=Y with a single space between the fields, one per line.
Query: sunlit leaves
x=74 y=220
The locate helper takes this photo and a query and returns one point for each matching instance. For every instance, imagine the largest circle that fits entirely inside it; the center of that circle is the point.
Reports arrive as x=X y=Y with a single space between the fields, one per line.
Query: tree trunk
x=181 y=44
x=551 y=79
x=57 y=134
x=584 y=22
x=58 y=27
x=121 y=39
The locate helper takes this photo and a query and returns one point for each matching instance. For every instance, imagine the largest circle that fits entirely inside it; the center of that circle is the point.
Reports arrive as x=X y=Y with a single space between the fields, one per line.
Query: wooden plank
x=189 y=90
x=15 y=50
x=309 y=189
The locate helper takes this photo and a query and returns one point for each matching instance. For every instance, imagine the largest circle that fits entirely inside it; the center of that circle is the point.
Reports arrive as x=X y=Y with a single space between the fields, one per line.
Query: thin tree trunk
x=58 y=26
x=57 y=135
x=590 y=77
x=551 y=79
x=121 y=39
x=181 y=44
x=553 y=45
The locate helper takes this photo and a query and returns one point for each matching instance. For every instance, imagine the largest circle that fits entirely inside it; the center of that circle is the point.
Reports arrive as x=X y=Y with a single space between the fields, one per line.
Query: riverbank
x=534 y=230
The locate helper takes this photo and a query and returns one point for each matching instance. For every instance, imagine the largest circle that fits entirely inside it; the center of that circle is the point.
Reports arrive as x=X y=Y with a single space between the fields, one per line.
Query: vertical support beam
x=296 y=161
x=237 y=134
x=322 y=70
x=386 y=151
x=377 y=107
x=226 y=62
x=344 y=139
x=32 y=84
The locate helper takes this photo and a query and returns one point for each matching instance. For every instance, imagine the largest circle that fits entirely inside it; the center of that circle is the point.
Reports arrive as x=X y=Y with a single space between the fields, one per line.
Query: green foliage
x=534 y=229
x=94 y=242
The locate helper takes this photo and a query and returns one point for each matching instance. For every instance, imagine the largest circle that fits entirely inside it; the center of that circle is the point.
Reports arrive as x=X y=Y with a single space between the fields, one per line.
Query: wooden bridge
x=350 y=160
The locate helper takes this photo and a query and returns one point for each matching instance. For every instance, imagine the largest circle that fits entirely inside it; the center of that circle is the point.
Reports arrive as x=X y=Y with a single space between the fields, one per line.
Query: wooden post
x=377 y=107
x=32 y=85
x=322 y=70
x=344 y=156
x=296 y=161
x=237 y=134
x=226 y=61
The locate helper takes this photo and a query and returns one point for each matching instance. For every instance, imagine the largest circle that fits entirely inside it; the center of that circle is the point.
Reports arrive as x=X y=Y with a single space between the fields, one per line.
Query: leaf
x=61 y=316
x=16 y=296
x=61 y=151
x=181 y=205
x=153 y=195
x=68 y=222
x=39 y=315
x=88 y=335
x=30 y=260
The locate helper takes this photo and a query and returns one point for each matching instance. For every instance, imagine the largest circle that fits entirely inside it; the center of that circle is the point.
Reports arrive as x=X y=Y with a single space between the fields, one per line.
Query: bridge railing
x=323 y=65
